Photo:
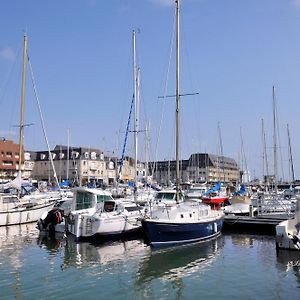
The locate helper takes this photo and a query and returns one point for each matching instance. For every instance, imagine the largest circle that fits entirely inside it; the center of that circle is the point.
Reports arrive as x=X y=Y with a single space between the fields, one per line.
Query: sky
x=232 y=53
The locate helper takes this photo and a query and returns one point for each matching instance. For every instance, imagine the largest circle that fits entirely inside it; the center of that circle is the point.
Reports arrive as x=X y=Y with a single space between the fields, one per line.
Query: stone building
x=200 y=167
x=79 y=164
x=128 y=170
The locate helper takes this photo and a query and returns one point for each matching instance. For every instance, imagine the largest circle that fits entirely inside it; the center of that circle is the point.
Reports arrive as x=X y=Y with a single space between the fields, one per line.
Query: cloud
x=7 y=54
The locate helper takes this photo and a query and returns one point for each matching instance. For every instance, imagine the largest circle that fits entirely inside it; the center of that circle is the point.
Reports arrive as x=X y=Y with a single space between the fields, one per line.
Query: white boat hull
x=23 y=214
x=286 y=235
x=89 y=226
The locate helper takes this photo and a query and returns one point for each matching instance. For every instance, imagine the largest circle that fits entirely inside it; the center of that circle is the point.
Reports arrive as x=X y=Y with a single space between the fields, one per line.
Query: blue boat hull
x=160 y=233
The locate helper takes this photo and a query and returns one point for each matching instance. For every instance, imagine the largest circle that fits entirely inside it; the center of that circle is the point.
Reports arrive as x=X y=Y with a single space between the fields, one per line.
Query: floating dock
x=256 y=224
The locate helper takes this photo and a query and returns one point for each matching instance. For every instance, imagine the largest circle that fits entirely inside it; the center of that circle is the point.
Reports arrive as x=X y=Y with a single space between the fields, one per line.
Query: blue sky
x=233 y=52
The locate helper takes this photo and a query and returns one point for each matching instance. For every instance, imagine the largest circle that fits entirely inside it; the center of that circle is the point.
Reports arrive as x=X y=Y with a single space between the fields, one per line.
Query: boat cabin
x=93 y=198
x=167 y=197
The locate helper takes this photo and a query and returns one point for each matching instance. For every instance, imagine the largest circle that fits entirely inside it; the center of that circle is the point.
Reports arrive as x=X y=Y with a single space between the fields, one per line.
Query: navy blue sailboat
x=182 y=222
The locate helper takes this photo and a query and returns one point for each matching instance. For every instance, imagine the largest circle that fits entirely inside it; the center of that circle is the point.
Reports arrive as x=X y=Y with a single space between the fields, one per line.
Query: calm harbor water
x=234 y=266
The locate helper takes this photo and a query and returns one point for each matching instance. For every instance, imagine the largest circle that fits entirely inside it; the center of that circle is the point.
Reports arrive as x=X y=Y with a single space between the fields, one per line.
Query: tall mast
x=68 y=152
x=265 y=156
x=274 y=140
x=244 y=156
x=147 y=150
x=22 y=104
x=290 y=154
x=60 y=155
x=135 y=88
x=221 y=160
x=263 y=150
x=177 y=97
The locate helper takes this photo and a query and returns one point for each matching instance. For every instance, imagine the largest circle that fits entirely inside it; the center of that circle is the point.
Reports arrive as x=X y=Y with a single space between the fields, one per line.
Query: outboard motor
x=54 y=217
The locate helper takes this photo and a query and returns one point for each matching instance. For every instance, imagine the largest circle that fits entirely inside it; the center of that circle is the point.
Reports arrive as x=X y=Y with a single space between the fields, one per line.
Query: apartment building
x=78 y=164
x=200 y=167
x=9 y=159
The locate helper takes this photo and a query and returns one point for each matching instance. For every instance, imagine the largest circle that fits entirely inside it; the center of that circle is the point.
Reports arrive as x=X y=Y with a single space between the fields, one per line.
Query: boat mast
x=177 y=97
x=22 y=104
x=135 y=88
x=265 y=156
x=146 y=151
x=290 y=154
x=68 y=152
x=244 y=161
x=274 y=140
x=221 y=159
x=60 y=155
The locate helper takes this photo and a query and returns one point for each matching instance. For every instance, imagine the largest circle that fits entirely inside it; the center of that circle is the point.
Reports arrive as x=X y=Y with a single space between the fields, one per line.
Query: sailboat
x=184 y=221
x=216 y=197
x=15 y=209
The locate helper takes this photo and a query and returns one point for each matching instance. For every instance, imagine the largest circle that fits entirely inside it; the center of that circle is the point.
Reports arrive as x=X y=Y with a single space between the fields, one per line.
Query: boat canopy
x=215 y=188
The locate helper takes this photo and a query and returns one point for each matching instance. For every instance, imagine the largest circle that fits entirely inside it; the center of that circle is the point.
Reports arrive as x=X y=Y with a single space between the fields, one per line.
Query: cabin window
x=101 y=198
x=165 y=196
x=132 y=208
x=84 y=200
x=181 y=216
x=109 y=206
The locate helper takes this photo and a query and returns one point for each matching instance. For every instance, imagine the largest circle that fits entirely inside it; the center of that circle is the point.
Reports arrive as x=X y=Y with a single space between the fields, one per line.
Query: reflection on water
x=289 y=262
x=232 y=266
x=174 y=264
x=12 y=240
x=86 y=254
x=246 y=241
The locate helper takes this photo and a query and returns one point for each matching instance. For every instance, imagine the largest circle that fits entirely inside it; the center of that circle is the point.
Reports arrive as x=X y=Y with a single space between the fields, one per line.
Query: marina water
x=233 y=266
